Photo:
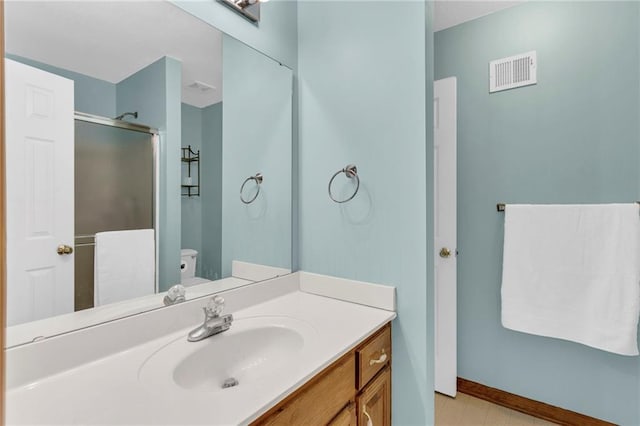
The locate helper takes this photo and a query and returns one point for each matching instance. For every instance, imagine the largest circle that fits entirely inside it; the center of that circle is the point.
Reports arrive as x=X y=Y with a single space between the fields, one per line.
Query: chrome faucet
x=213 y=322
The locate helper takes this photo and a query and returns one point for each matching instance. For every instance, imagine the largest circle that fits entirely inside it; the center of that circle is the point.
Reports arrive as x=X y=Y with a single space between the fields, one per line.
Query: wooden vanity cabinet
x=318 y=401
x=347 y=417
x=352 y=391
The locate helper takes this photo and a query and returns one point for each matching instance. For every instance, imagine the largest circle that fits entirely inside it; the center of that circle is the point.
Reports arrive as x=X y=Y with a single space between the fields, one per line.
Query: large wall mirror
x=131 y=130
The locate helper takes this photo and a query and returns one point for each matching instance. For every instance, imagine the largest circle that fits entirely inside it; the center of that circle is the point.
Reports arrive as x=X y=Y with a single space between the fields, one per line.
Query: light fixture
x=250 y=9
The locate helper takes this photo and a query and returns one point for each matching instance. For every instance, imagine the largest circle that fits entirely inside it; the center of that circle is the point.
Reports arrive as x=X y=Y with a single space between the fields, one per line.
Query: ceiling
x=111 y=40
x=448 y=13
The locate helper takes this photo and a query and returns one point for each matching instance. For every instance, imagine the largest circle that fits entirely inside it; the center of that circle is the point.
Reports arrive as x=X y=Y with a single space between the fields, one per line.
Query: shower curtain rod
x=500 y=206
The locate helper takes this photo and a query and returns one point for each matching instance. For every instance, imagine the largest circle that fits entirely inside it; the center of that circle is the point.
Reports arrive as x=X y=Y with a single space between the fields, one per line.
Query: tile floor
x=466 y=410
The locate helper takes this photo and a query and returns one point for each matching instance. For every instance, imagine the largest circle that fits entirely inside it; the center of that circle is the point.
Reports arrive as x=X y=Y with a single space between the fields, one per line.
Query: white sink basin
x=251 y=351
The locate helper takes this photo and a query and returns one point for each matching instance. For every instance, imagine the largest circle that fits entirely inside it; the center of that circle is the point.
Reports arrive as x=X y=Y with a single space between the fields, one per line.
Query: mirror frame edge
x=3 y=241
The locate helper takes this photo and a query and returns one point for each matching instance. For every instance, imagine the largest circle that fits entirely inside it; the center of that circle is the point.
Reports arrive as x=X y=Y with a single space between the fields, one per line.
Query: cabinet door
x=346 y=417
x=374 y=403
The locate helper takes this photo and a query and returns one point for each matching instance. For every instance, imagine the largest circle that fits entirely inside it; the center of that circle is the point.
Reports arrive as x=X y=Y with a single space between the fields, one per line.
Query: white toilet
x=188 y=268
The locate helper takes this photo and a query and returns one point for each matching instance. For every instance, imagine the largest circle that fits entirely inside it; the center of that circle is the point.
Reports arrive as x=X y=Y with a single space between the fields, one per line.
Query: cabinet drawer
x=372 y=356
x=318 y=401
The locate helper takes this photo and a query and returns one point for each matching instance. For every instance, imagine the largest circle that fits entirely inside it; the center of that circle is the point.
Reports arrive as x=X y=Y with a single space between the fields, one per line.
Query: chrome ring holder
x=351 y=172
x=258 y=178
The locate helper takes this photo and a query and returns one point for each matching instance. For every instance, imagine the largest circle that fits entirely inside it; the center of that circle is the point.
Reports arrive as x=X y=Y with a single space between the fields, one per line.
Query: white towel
x=124 y=265
x=572 y=272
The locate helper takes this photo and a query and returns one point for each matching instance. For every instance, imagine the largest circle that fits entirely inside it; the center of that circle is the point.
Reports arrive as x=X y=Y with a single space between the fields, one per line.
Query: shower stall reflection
x=115 y=166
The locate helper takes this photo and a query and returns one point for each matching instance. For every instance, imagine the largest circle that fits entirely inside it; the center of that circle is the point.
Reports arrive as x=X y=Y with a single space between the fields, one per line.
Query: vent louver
x=200 y=86
x=514 y=71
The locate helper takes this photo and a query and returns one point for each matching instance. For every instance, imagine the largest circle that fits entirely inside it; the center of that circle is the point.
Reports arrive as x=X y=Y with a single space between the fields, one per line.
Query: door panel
x=445 y=197
x=346 y=417
x=39 y=178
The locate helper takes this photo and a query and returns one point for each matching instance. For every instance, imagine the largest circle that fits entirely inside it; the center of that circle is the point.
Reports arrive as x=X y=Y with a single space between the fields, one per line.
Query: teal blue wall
x=191 y=217
x=363 y=88
x=257 y=136
x=572 y=138
x=211 y=188
x=275 y=36
x=429 y=217
x=202 y=216
x=91 y=95
x=155 y=93
x=170 y=214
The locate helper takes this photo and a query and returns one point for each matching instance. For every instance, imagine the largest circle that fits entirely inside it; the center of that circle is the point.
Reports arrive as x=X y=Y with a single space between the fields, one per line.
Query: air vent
x=512 y=72
x=201 y=87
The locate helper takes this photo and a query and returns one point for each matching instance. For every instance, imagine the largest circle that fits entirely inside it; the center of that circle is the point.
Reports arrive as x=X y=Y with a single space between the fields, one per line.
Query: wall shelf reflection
x=191 y=187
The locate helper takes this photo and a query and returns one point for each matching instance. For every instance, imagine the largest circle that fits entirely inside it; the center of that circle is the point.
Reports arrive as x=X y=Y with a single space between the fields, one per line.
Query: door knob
x=445 y=252
x=64 y=249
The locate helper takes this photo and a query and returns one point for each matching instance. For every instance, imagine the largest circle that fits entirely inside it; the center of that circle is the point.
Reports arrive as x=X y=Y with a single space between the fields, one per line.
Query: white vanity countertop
x=108 y=390
x=27 y=332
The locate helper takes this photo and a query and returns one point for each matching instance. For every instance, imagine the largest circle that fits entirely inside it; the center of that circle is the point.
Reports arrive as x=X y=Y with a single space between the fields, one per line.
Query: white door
x=444 y=107
x=39 y=179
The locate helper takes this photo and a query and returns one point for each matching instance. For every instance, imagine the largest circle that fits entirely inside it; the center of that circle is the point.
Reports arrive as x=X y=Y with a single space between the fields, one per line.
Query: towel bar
x=500 y=206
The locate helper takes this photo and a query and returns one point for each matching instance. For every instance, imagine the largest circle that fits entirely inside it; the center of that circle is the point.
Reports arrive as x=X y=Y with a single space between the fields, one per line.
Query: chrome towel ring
x=351 y=172
x=258 y=178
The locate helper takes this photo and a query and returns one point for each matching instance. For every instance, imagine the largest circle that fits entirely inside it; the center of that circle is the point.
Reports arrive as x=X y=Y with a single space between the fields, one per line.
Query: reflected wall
x=202 y=215
x=257 y=132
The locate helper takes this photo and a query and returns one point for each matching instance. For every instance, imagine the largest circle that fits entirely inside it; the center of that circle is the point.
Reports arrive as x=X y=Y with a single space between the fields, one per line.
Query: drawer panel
x=319 y=400
x=373 y=356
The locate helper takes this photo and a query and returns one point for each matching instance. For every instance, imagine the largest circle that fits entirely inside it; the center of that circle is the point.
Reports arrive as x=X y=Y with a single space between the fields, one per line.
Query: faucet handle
x=214 y=307
x=175 y=294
